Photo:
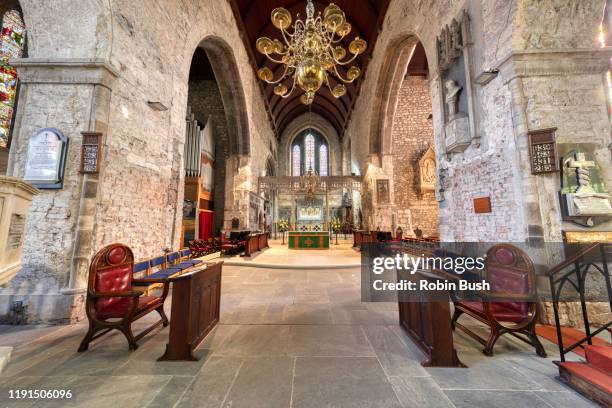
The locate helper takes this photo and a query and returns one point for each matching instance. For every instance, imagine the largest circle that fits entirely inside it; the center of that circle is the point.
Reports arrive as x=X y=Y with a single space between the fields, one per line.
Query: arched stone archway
x=397 y=58
x=320 y=124
x=224 y=65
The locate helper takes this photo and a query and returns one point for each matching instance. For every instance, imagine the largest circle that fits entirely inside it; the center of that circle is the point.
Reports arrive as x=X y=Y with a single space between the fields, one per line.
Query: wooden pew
x=196 y=298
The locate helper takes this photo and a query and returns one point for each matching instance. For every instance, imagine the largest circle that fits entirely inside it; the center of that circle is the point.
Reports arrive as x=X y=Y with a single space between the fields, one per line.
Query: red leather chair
x=510 y=307
x=112 y=303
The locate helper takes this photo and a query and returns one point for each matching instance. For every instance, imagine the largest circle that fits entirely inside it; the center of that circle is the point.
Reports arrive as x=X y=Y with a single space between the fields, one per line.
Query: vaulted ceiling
x=253 y=16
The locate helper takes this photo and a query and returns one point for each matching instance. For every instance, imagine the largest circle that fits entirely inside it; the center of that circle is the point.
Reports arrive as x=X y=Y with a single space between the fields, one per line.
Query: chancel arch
x=224 y=66
x=217 y=132
x=396 y=59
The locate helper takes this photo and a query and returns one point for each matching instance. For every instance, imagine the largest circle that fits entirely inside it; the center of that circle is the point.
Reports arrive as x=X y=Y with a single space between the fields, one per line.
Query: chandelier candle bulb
x=311 y=52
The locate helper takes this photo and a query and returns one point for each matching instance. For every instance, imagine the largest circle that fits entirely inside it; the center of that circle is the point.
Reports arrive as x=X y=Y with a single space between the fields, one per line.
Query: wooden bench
x=112 y=302
x=163 y=267
x=510 y=306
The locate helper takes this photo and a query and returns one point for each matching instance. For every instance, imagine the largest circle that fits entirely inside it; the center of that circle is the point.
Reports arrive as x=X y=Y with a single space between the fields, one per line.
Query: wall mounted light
x=157 y=106
x=487 y=76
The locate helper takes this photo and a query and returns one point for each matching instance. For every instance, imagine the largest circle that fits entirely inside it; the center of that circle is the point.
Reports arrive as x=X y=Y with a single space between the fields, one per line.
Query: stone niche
x=454 y=76
x=15 y=199
x=427 y=172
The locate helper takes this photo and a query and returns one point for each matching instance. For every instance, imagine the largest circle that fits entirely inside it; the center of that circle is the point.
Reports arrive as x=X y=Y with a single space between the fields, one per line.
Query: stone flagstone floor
x=287 y=338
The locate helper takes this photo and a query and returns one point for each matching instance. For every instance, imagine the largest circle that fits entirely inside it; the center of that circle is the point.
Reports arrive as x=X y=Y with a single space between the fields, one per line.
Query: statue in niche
x=452 y=98
x=584 y=191
x=427 y=171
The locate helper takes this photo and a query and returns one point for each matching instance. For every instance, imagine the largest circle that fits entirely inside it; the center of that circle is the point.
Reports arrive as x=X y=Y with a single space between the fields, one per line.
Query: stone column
x=74 y=96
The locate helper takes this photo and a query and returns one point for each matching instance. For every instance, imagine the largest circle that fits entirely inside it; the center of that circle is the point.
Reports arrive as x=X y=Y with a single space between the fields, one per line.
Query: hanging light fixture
x=311 y=52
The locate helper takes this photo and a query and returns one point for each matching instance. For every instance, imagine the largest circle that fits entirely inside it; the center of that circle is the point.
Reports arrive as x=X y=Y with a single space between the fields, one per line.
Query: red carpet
x=570 y=336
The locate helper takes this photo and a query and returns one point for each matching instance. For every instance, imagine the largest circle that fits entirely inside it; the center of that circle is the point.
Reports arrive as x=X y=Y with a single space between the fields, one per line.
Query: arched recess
x=224 y=66
x=321 y=125
x=396 y=60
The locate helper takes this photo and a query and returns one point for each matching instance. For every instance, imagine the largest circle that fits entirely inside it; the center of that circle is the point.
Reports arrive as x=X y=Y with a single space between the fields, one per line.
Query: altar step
x=592 y=378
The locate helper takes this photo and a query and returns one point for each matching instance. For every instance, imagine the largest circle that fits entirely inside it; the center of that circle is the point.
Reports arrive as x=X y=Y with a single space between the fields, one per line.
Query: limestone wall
x=137 y=197
x=528 y=96
x=412 y=135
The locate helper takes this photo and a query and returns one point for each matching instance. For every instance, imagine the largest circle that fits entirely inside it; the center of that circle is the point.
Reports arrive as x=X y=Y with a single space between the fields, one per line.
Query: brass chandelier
x=311 y=53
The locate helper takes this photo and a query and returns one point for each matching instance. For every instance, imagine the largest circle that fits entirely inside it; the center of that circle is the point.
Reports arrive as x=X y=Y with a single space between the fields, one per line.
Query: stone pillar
x=74 y=96
x=15 y=199
x=567 y=90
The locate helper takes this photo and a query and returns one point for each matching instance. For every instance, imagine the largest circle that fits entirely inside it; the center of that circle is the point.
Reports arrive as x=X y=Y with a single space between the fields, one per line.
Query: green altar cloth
x=308 y=240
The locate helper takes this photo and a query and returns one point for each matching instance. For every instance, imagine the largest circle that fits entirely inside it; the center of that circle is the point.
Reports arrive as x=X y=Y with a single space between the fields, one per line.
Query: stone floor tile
x=566 y=399
x=171 y=393
x=419 y=392
x=341 y=382
x=321 y=341
x=256 y=340
x=213 y=383
x=396 y=359
x=494 y=374
x=262 y=383
x=144 y=362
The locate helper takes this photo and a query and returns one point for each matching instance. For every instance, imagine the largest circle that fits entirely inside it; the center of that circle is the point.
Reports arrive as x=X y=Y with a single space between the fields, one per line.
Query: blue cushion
x=186 y=252
x=186 y=265
x=173 y=257
x=192 y=262
x=157 y=261
x=141 y=266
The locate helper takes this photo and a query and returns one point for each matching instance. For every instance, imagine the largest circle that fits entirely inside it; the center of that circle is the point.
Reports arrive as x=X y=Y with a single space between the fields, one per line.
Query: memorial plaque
x=15 y=235
x=382 y=192
x=543 y=151
x=482 y=205
x=46 y=159
x=91 y=152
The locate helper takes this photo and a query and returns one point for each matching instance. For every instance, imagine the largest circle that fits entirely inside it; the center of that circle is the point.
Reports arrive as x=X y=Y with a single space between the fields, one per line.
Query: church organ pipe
x=193 y=146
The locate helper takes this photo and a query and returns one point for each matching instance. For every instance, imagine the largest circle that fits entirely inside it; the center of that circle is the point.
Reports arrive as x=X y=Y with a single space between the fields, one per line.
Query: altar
x=308 y=240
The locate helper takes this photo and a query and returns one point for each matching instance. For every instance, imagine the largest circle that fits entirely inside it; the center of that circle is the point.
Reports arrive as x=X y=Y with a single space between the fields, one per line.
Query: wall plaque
x=91 y=152
x=543 y=151
x=482 y=205
x=382 y=192
x=46 y=159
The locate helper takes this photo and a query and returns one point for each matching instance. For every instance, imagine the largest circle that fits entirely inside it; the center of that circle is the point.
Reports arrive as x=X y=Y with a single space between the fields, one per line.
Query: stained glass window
x=297 y=161
x=309 y=144
x=323 y=160
x=12 y=41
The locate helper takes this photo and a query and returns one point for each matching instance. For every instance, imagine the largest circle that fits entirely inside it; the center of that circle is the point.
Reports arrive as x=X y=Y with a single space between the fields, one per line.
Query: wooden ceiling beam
x=244 y=36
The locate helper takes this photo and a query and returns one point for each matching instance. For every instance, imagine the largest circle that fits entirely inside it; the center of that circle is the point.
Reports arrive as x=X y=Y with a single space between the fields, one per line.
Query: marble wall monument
x=585 y=196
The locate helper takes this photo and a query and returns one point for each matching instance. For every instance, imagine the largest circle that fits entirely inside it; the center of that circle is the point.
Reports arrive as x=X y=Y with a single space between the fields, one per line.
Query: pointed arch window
x=309 y=145
x=12 y=45
x=296 y=161
x=323 y=161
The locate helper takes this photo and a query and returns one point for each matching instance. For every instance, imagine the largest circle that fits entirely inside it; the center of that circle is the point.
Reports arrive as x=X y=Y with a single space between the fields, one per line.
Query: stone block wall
x=137 y=197
x=412 y=135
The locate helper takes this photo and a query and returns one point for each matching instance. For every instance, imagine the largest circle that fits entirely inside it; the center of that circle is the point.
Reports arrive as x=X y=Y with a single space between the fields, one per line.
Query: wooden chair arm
x=130 y=294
